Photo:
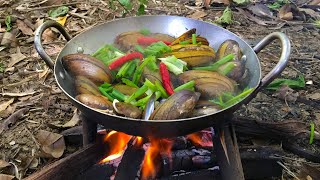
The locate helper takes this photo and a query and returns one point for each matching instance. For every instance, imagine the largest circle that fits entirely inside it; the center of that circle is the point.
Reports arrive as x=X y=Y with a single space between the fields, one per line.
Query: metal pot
x=92 y=39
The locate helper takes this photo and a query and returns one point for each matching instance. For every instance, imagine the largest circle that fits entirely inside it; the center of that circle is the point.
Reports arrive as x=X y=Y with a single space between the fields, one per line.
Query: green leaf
x=8 y=23
x=141 y=10
x=143 y=2
x=1 y=67
x=277 y=83
x=60 y=11
x=226 y=17
x=126 y=3
x=278 y=4
x=241 y=2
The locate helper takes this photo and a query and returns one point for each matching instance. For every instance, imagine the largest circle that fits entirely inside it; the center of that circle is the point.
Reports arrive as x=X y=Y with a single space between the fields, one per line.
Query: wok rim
x=158 y=121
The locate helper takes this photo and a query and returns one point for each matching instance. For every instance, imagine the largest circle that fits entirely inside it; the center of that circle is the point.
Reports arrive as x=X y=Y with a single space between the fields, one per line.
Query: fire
x=202 y=138
x=157 y=147
x=117 y=142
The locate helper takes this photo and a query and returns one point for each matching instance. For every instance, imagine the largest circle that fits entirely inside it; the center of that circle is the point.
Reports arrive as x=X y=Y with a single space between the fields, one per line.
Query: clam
x=127 y=40
x=87 y=66
x=152 y=76
x=229 y=47
x=232 y=47
x=84 y=85
x=125 y=89
x=128 y=110
x=177 y=106
x=187 y=36
x=210 y=84
x=204 y=107
x=193 y=55
x=98 y=102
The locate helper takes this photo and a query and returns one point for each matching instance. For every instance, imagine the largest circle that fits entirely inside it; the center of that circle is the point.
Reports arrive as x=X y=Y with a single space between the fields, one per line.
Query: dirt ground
x=28 y=83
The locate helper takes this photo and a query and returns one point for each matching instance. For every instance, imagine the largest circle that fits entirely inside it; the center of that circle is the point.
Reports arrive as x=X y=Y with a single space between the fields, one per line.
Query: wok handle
x=285 y=52
x=38 y=36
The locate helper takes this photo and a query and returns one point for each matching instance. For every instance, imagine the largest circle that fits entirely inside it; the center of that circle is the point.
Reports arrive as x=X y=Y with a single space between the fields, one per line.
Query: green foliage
x=277 y=83
x=126 y=4
x=241 y=2
x=60 y=11
x=278 y=4
x=316 y=23
x=8 y=23
x=226 y=17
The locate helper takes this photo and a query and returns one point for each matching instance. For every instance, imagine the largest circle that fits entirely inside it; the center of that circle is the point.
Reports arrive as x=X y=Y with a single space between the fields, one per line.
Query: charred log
x=212 y=173
x=131 y=162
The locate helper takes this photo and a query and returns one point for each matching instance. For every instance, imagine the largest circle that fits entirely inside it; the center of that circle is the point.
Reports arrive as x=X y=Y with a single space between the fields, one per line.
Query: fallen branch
x=12 y=119
x=278 y=130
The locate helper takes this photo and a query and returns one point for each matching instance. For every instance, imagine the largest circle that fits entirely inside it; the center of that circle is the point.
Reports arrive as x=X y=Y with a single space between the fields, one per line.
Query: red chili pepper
x=166 y=78
x=149 y=40
x=123 y=59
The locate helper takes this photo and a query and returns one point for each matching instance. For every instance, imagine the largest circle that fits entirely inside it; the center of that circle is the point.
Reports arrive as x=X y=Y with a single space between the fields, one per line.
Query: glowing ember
x=117 y=142
x=202 y=138
x=149 y=166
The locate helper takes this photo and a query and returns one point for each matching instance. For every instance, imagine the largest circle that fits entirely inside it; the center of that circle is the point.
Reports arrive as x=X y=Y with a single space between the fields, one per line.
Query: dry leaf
x=260 y=10
x=311 y=171
x=4 y=164
x=18 y=94
x=15 y=58
x=315 y=96
x=314 y=2
x=12 y=119
x=9 y=39
x=24 y=28
x=48 y=36
x=44 y=72
x=6 y=177
x=62 y=20
x=73 y=122
x=4 y=105
x=52 y=144
x=285 y=12
x=198 y=15
x=287 y=94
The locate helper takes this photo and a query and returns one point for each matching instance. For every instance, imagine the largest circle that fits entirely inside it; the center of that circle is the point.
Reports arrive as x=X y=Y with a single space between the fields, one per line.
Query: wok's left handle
x=38 y=36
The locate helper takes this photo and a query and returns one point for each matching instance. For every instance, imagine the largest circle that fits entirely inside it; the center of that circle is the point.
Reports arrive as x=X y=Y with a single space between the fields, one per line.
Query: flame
x=139 y=141
x=117 y=142
x=157 y=147
x=201 y=138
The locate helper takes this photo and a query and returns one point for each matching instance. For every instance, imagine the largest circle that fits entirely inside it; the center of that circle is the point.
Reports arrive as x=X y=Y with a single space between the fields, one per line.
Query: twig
x=288 y=170
x=33 y=138
x=53 y=6
x=80 y=16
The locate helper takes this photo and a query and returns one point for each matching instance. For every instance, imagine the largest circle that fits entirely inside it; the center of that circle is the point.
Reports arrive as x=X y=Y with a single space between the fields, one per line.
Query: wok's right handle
x=285 y=53
x=38 y=36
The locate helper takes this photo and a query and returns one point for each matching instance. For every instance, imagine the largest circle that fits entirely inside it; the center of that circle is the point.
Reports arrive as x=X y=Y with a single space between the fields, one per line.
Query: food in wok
x=187 y=76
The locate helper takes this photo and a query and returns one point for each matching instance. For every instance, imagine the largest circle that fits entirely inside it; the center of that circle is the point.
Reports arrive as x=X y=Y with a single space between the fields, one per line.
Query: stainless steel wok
x=92 y=39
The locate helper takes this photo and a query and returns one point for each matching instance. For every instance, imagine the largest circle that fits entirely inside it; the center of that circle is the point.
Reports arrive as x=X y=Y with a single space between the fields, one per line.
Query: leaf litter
x=244 y=25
